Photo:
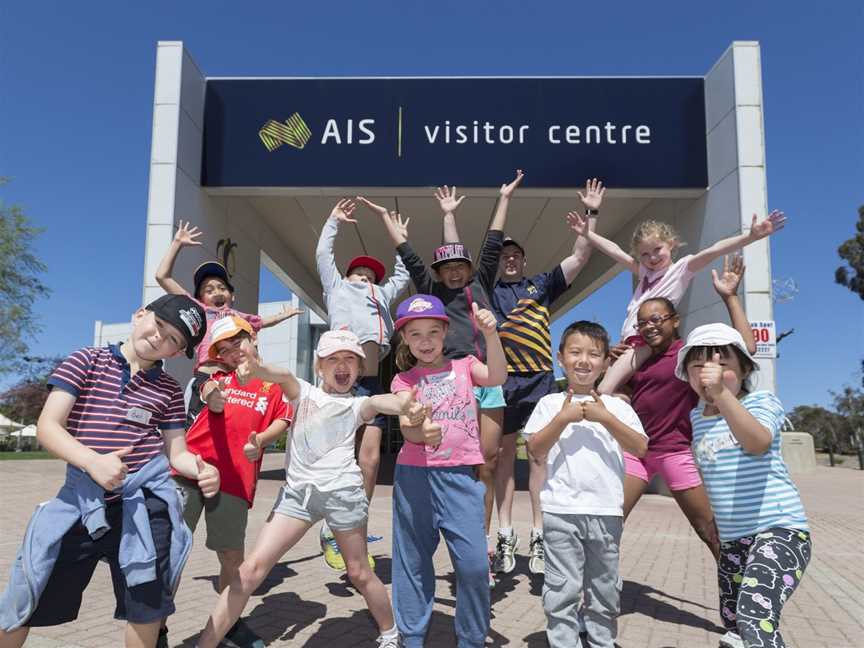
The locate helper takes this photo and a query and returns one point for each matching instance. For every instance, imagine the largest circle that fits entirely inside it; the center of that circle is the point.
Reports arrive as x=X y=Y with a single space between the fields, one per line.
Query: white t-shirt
x=671 y=284
x=321 y=452
x=585 y=468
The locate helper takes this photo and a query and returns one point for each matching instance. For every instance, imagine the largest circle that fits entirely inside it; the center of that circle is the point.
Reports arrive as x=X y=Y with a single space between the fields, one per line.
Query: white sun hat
x=710 y=335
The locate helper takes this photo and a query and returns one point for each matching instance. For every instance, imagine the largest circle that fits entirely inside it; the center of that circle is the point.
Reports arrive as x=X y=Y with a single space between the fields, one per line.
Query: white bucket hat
x=710 y=335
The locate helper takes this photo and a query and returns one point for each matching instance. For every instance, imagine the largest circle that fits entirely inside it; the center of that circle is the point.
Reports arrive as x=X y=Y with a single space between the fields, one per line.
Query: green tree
x=23 y=401
x=852 y=252
x=20 y=284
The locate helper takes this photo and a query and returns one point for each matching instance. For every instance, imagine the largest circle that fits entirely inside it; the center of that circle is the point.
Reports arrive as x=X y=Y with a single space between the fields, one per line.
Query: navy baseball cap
x=510 y=241
x=211 y=269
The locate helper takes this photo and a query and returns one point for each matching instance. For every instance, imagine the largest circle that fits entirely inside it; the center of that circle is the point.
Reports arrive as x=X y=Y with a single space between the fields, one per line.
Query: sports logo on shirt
x=261 y=405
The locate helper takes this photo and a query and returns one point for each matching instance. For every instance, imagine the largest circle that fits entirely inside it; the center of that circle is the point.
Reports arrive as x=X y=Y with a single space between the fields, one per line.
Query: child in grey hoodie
x=359 y=302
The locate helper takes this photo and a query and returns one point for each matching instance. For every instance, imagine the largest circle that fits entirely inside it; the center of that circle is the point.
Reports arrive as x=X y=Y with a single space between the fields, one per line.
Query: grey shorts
x=225 y=515
x=343 y=508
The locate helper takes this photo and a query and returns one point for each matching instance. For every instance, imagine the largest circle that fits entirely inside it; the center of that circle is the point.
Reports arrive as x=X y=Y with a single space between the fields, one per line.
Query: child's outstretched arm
x=185 y=237
x=754 y=437
x=592 y=199
x=726 y=286
x=448 y=202
x=188 y=464
x=396 y=228
x=252 y=366
x=775 y=221
x=324 y=257
x=580 y=224
x=396 y=283
x=401 y=404
x=287 y=312
x=499 y=220
x=494 y=372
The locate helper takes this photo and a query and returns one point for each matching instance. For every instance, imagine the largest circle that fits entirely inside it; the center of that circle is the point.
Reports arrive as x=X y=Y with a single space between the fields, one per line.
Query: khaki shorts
x=225 y=515
x=343 y=508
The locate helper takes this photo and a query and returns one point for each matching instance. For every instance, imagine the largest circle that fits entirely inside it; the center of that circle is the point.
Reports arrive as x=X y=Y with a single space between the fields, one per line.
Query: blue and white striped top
x=749 y=493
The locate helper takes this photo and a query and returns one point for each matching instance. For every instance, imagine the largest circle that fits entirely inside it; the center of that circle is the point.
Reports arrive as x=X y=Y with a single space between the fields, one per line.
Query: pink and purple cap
x=420 y=307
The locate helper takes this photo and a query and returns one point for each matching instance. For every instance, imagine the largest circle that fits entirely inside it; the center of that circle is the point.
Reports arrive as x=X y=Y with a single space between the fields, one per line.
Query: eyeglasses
x=654 y=320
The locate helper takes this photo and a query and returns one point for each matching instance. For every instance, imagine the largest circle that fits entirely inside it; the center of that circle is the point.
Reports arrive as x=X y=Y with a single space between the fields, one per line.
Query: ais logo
x=293 y=132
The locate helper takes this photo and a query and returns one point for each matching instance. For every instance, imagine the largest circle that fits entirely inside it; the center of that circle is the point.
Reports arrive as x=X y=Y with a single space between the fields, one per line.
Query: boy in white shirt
x=580 y=435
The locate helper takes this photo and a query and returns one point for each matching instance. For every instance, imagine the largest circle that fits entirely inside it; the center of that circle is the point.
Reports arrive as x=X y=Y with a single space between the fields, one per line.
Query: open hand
x=108 y=470
x=252 y=448
x=447 y=199
x=775 y=222
x=400 y=225
x=343 y=210
x=208 y=477
x=726 y=284
x=595 y=410
x=378 y=209
x=288 y=311
x=486 y=321
x=578 y=223
x=508 y=189
x=593 y=196
x=187 y=235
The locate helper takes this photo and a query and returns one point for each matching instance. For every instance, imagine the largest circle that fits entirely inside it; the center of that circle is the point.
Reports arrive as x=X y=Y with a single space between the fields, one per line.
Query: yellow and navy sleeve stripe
x=525 y=337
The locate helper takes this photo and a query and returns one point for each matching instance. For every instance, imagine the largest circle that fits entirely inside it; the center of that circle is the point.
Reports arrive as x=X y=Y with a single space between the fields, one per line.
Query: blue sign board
x=472 y=132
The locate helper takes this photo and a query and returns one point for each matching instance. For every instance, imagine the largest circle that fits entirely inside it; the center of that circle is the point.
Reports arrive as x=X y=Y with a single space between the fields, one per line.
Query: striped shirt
x=114 y=410
x=522 y=309
x=749 y=493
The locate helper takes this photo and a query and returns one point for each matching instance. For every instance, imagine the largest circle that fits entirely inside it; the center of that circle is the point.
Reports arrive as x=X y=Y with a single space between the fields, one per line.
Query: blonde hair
x=405 y=360
x=651 y=228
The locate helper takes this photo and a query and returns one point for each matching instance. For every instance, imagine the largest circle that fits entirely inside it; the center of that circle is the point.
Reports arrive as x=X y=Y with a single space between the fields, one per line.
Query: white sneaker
x=389 y=642
x=537 y=561
x=505 y=554
x=731 y=640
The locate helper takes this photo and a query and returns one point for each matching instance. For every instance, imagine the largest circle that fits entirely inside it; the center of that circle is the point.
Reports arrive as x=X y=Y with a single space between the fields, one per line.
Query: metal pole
x=860 y=446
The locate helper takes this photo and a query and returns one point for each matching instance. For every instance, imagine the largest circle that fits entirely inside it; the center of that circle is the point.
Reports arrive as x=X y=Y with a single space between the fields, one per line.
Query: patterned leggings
x=757 y=575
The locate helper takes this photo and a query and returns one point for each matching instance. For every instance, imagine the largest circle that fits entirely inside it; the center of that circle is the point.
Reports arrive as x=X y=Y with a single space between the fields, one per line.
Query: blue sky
x=76 y=110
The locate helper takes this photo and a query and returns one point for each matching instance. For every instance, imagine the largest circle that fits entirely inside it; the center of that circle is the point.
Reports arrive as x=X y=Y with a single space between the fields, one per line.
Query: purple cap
x=420 y=307
x=450 y=252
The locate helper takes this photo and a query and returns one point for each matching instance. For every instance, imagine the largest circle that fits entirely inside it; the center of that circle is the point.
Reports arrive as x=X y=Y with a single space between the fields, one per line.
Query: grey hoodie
x=362 y=308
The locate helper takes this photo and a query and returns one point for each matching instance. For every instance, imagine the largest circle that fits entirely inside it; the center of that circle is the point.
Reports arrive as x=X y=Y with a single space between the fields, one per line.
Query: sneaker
x=332 y=555
x=731 y=640
x=537 y=561
x=389 y=642
x=240 y=636
x=505 y=553
x=162 y=640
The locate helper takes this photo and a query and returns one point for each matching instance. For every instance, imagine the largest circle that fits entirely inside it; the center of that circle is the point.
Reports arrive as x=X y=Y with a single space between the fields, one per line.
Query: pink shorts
x=678 y=469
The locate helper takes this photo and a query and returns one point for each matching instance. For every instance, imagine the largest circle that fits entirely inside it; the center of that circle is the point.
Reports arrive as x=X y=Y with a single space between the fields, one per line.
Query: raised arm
x=591 y=199
x=397 y=281
x=448 y=202
x=580 y=224
x=185 y=237
x=494 y=372
x=775 y=222
x=252 y=366
x=287 y=312
x=326 y=261
x=726 y=285
x=396 y=228
x=499 y=220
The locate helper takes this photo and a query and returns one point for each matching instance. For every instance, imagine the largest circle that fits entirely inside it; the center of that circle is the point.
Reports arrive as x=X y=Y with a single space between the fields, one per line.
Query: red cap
x=368 y=262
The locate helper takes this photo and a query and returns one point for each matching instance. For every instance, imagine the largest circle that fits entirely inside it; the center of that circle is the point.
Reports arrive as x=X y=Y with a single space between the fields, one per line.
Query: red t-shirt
x=219 y=438
x=663 y=402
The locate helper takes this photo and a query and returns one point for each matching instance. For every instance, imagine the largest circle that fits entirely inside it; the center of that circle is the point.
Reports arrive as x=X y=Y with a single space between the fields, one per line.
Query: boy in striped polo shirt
x=109 y=414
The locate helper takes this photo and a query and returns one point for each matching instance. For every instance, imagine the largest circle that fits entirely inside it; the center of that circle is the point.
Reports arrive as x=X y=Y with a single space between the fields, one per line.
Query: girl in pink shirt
x=435 y=489
x=650 y=260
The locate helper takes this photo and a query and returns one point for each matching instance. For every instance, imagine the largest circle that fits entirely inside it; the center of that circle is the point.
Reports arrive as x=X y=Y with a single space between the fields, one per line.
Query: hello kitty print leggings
x=757 y=575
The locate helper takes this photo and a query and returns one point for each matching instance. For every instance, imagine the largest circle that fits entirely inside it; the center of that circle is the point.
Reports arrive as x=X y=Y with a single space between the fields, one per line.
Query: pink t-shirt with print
x=449 y=390
x=214 y=315
x=671 y=284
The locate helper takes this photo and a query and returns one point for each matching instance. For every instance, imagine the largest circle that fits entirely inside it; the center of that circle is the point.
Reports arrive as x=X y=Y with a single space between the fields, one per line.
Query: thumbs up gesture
x=108 y=470
x=252 y=449
x=486 y=321
x=208 y=477
x=571 y=412
x=595 y=410
x=432 y=435
x=711 y=377
x=214 y=395
x=412 y=409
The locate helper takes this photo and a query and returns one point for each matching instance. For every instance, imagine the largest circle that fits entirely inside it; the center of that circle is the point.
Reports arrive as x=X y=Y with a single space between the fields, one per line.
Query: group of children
x=475 y=362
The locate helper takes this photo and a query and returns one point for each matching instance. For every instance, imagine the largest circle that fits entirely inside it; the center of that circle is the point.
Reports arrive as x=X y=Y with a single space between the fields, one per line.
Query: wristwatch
x=592 y=212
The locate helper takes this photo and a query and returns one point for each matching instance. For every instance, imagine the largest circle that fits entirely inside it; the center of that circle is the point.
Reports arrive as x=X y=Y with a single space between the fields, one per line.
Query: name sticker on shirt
x=139 y=415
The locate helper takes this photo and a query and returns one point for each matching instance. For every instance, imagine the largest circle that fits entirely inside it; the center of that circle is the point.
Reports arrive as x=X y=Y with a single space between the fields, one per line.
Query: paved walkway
x=669 y=597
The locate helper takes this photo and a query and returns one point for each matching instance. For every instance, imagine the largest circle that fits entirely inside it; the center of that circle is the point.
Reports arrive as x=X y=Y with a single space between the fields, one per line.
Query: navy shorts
x=522 y=393
x=371 y=386
x=79 y=555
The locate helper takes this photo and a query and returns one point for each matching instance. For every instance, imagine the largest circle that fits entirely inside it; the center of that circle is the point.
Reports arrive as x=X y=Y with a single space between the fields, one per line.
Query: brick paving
x=669 y=597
